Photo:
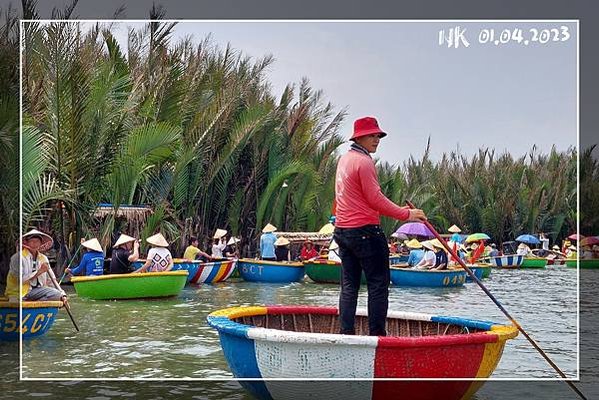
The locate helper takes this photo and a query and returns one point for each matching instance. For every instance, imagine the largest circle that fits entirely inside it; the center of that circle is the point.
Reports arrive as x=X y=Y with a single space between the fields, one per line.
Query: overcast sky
x=504 y=96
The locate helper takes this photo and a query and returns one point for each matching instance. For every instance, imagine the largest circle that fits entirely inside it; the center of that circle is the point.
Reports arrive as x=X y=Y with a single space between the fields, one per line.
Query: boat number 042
x=455 y=280
x=9 y=322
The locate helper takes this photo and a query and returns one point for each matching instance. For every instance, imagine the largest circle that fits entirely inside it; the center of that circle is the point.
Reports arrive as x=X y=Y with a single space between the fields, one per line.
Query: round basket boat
x=201 y=272
x=325 y=271
x=481 y=271
x=252 y=270
x=299 y=342
x=427 y=278
x=533 y=262
x=585 y=263
x=38 y=318
x=511 y=261
x=131 y=286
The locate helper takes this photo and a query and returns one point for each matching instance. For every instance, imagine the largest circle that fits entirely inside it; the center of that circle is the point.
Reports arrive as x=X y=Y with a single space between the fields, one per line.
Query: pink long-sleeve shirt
x=358 y=193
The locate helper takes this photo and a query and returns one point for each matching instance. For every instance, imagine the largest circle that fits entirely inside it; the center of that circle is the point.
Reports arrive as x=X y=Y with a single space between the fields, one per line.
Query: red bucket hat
x=366 y=126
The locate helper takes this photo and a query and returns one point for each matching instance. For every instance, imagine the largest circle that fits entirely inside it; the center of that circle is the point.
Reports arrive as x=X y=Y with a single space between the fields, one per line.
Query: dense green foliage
x=196 y=132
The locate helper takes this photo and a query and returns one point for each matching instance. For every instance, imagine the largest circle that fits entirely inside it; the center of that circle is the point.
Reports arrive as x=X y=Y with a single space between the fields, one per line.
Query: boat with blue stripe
x=427 y=277
x=201 y=272
x=253 y=270
x=509 y=261
x=38 y=318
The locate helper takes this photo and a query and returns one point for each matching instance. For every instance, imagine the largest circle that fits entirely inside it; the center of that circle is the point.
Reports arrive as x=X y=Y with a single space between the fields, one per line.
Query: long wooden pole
x=498 y=304
x=69 y=266
x=67 y=307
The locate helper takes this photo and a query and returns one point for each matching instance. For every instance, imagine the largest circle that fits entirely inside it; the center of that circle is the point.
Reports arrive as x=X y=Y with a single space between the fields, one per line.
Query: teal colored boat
x=585 y=263
x=533 y=262
x=131 y=286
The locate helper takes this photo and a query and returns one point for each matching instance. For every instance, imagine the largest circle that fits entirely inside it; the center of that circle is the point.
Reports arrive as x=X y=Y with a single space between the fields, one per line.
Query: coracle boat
x=201 y=272
x=584 y=263
x=397 y=259
x=533 y=262
x=325 y=271
x=253 y=270
x=510 y=261
x=481 y=271
x=38 y=318
x=130 y=286
x=299 y=342
x=427 y=277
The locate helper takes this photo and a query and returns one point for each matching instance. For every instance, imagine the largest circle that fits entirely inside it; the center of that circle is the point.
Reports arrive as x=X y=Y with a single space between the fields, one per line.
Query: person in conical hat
x=92 y=262
x=159 y=258
x=125 y=251
x=269 y=228
x=454 y=229
x=282 y=249
x=416 y=252
x=441 y=260
x=219 y=244
x=267 y=243
x=523 y=250
x=32 y=269
x=232 y=251
x=429 y=257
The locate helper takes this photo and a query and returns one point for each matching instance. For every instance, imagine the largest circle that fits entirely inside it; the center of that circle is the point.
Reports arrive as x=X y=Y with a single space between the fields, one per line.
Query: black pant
x=363 y=249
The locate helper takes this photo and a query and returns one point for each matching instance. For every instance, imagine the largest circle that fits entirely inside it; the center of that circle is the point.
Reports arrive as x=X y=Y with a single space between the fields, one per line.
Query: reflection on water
x=169 y=338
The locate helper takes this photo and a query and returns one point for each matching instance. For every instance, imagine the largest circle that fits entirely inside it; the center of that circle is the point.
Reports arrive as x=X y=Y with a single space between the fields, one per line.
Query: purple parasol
x=415 y=229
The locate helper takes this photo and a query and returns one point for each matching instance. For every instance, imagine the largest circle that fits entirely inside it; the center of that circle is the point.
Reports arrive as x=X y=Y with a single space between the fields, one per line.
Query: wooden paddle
x=67 y=307
x=512 y=319
x=69 y=266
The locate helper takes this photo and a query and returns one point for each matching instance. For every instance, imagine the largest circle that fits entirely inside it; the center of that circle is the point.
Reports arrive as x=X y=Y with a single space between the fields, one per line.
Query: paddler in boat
x=359 y=202
x=92 y=262
x=267 y=243
x=440 y=255
x=193 y=252
x=125 y=251
x=282 y=249
x=159 y=257
x=31 y=267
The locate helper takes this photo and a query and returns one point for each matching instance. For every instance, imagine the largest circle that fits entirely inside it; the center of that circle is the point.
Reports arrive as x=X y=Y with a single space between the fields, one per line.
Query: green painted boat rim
x=77 y=279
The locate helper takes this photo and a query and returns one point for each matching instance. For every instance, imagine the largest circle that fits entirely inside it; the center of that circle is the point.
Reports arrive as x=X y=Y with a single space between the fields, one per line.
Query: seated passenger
x=126 y=251
x=92 y=262
x=159 y=257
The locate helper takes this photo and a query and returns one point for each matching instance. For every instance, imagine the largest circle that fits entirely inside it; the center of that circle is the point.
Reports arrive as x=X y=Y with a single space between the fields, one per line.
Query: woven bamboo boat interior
x=319 y=323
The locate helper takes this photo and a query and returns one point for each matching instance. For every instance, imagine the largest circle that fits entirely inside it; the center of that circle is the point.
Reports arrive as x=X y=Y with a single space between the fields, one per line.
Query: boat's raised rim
x=271 y=263
x=223 y=321
x=31 y=304
x=321 y=262
x=449 y=270
x=76 y=279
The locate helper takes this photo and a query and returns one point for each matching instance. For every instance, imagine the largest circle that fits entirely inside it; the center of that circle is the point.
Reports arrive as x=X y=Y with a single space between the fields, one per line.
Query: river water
x=171 y=339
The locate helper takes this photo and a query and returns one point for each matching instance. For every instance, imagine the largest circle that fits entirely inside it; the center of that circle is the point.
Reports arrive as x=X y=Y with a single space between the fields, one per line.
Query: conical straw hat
x=333 y=246
x=93 y=244
x=414 y=244
x=45 y=238
x=435 y=242
x=428 y=245
x=233 y=240
x=454 y=229
x=123 y=239
x=281 y=241
x=327 y=229
x=157 y=240
x=220 y=233
x=269 y=228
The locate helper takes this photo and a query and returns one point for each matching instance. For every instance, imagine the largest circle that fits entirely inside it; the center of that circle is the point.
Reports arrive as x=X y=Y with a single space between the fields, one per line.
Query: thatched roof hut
x=133 y=214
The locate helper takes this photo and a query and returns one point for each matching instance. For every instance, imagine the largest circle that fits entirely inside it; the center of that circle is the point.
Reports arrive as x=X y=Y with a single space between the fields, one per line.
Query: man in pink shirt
x=362 y=242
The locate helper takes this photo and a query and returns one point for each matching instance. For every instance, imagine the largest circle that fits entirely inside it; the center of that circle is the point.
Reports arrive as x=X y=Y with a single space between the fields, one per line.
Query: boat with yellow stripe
x=302 y=342
x=38 y=318
x=131 y=286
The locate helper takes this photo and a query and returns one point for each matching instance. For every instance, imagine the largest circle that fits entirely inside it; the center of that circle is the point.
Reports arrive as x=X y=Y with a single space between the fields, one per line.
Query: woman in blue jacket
x=92 y=262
